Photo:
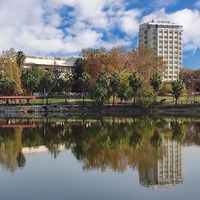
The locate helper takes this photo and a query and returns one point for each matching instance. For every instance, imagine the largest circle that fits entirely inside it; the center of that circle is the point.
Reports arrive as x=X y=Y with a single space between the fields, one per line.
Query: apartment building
x=165 y=38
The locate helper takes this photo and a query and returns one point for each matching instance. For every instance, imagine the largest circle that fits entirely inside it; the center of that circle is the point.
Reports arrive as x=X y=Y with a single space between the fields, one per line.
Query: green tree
x=47 y=83
x=166 y=88
x=30 y=79
x=10 y=70
x=78 y=70
x=155 y=82
x=101 y=89
x=20 y=58
x=68 y=81
x=145 y=97
x=135 y=84
x=177 y=88
x=124 y=92
x=115 y=81
x=7 y=87
x=85 y=83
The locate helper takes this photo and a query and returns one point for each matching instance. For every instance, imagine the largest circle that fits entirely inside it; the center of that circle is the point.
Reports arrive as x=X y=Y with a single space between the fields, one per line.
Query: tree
x=31 y=79
x=115 y=81
x=20 y=58
x=145 y=96
x=187 y=76
x=197 y=82
x=124 y=92
x=177 y=88
x=47 y=83
x=144 y=62
x=191 y=79
x=101 y=89
x=61 y=82
x=155 y=82
x=10 y=70
x=7 y=87
x=68 y=81
x=135 y=84
x=78 y=70
x=85 y=83
x=98 y=60
x=166 y=88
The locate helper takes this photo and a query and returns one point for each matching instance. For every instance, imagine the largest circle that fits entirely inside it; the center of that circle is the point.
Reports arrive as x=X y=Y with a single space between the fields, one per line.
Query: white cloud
x=129 y=23
x=32 y=26
x=190 y=19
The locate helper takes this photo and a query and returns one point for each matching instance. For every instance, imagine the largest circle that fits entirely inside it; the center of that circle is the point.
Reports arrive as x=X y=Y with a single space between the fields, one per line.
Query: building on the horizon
x=165 y=38
x=45 y=63
x=167 y=171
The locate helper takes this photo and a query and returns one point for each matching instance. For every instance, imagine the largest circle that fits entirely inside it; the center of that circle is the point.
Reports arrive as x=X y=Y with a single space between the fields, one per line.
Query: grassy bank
x=167 y=100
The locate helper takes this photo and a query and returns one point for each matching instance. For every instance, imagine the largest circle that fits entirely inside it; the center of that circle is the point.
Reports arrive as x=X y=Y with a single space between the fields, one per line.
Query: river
x=100 y=158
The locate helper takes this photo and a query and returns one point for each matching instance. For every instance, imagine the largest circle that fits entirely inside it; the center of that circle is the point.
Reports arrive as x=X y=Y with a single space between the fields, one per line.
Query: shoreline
x=95 y=110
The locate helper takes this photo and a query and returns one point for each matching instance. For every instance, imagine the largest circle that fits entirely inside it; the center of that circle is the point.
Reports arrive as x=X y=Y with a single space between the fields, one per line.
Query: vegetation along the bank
x=104 y=76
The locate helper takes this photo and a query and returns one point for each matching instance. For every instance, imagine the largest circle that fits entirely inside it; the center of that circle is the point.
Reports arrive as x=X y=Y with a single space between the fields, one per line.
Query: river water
x=100 y=158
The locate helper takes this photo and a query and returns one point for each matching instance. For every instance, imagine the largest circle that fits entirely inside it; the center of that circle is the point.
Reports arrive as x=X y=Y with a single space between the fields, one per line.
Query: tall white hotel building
x=165 y=38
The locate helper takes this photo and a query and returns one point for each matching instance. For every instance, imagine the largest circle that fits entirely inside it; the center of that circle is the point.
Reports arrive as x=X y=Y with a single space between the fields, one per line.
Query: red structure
x=17 y=125
x=15 y=98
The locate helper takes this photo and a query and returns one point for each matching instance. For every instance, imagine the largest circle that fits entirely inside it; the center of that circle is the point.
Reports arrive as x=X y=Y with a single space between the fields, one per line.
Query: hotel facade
x=165 y=38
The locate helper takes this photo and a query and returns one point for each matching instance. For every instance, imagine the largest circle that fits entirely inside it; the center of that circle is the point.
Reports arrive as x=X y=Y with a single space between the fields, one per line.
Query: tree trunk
x=113 y=100
x=83 y=97
x=47 y=100
x=134 y=100
x=155 y=97
x=176 y=101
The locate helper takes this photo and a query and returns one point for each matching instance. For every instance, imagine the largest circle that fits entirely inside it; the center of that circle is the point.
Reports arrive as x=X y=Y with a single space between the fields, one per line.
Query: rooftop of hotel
x=161 y=22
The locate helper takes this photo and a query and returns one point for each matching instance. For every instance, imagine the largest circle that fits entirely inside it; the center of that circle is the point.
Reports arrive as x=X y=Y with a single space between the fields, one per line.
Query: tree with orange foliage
x=145 y=62
x=98 y=60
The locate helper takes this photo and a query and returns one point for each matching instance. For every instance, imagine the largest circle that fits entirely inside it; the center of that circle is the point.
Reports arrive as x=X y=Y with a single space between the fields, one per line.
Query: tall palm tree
x=135 y=84
x=20 y=58
x=156 y=82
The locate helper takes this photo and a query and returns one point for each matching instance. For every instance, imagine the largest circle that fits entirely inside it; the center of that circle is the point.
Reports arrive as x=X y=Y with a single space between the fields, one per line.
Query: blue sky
x=64 y=27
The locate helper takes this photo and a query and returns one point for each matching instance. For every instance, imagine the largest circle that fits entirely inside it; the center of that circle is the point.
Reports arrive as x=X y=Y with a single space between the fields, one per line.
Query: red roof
x=17 y=97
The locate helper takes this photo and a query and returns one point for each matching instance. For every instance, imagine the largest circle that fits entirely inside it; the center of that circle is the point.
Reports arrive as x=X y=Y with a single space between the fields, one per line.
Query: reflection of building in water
x=168 y=170
x=40 y=149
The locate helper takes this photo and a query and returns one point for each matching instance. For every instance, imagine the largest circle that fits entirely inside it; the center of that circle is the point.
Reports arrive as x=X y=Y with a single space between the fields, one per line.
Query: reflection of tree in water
x=118 y=147
x=10 y=149
x=178 y=132
x=100 y=144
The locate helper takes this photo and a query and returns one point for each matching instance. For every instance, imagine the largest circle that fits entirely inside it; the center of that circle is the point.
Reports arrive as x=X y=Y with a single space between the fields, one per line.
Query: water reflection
x=167 y=171
x=150 y=145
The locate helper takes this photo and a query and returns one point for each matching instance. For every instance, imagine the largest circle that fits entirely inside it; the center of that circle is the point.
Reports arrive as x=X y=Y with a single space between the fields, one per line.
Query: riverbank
x=75 y=109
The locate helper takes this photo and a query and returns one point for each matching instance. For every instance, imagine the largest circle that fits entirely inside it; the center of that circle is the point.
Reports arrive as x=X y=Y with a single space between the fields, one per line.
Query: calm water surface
x=99 y=159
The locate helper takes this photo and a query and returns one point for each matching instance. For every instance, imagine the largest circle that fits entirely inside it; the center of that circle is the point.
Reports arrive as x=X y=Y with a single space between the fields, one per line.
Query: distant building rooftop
x=30 y=60
x=162 y=24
